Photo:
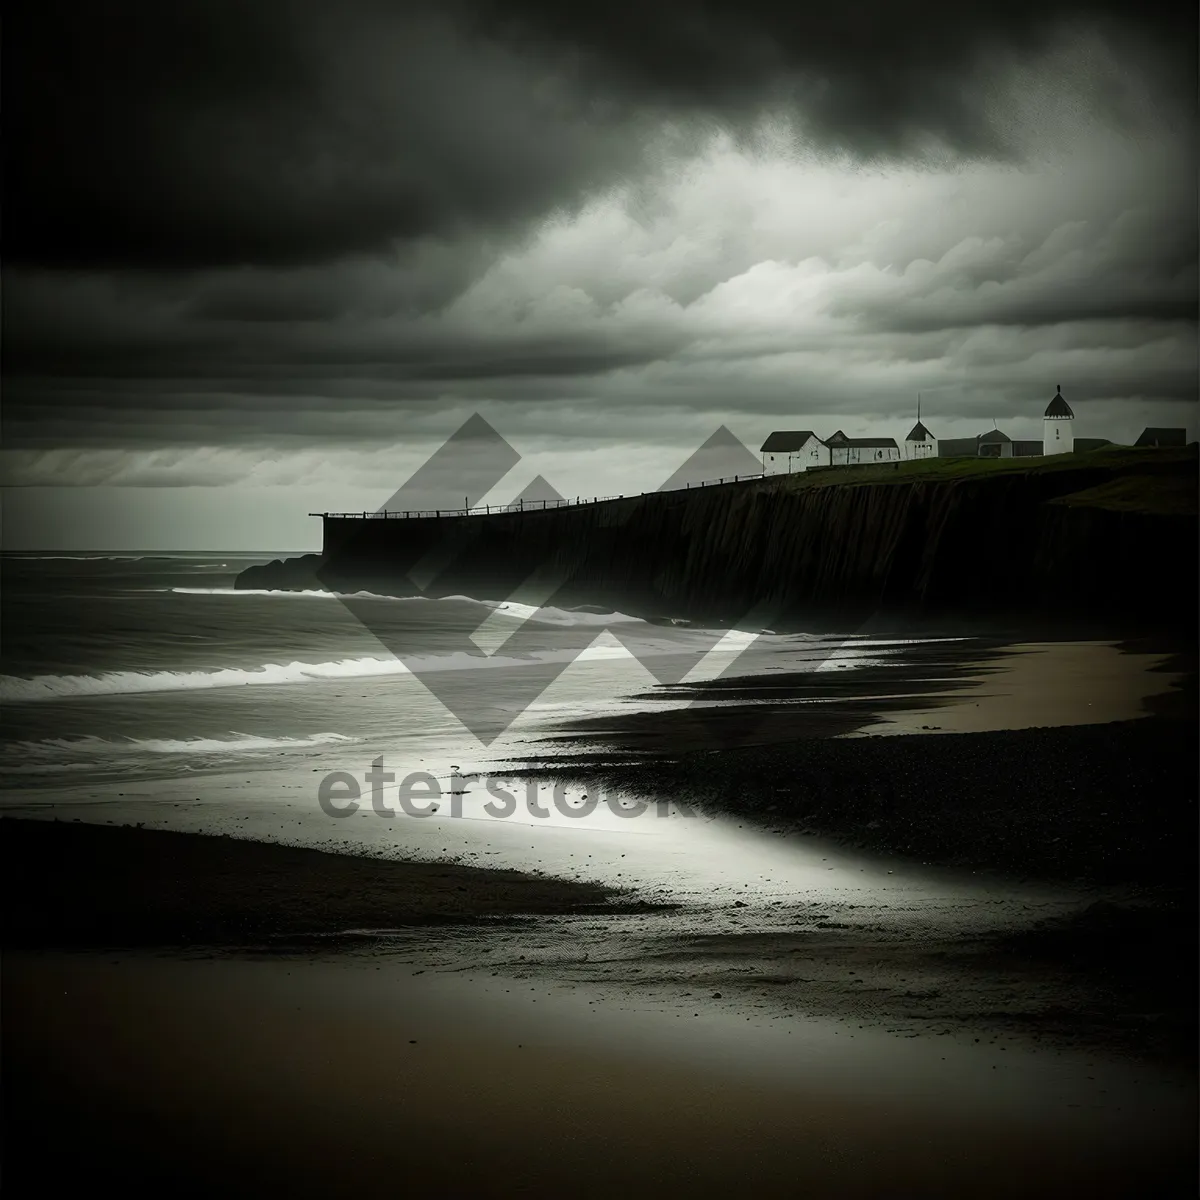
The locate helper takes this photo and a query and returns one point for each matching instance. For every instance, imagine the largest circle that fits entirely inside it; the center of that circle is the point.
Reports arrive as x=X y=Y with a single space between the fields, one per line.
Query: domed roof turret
x=1058 y=407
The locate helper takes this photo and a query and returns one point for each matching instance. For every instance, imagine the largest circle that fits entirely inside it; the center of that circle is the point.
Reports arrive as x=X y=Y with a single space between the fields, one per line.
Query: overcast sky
x=263 y=258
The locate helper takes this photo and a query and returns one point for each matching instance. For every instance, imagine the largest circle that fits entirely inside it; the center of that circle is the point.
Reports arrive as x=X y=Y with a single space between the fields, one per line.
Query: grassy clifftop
x=1141 y=467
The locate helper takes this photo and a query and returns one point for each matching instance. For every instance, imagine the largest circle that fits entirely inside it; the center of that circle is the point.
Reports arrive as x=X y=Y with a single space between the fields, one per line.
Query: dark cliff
x=1108 y=536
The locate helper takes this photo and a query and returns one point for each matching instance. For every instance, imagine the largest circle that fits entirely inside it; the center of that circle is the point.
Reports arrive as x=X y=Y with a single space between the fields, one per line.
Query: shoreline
x=1053 y=1058
x=1034 y=1041
x=1106 y=809
x=1109 y=970
x=1105 y=805
x=1065 y=762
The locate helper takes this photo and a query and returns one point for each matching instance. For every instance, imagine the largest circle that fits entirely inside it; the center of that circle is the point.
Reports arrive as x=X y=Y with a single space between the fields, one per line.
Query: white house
x=1057 y=426
x=800 y=450
x=793 y=450
x=844 y=451
x=920 y=443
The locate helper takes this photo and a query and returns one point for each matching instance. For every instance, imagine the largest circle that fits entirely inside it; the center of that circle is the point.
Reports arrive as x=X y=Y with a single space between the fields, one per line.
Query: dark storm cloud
x=266 y=336
x=874 y=77
x=1031 y=303
x=209 y=132
x=281 y=222
x=1068 y=307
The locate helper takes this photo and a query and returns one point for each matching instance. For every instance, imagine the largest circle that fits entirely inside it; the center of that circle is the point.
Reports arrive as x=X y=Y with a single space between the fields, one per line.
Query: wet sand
x=74 y=884
x=972 y=685
x=1068 y=761
x=1091 y=805
x=1047 y=684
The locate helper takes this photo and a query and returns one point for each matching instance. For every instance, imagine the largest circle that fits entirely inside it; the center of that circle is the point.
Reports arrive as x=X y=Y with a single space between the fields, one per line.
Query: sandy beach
x=1067 y=761
x=868 y=966
x=363 y=1076
x=72 y=884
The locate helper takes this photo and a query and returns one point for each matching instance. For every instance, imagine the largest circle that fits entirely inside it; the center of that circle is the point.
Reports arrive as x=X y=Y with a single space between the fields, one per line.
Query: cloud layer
x=238 y=234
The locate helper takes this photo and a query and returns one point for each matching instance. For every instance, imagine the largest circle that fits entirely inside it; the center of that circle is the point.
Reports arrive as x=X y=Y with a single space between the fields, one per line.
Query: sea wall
x=991 y=544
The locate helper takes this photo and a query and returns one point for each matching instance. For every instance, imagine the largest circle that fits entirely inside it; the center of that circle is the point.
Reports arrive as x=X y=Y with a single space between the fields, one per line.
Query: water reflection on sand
x=1037 y=684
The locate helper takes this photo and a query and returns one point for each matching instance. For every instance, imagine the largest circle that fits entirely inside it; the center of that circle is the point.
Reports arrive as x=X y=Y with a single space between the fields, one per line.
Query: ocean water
x=146 y=689
x=132 y=667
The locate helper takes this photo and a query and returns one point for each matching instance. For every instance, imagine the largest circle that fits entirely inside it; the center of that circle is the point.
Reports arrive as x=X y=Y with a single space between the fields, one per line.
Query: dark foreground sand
x=72 y=884
x=311 y=1078
x=264 y=1064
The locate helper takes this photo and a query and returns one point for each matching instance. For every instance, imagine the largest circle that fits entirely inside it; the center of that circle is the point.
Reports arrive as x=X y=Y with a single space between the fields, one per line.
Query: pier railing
x=480 y=510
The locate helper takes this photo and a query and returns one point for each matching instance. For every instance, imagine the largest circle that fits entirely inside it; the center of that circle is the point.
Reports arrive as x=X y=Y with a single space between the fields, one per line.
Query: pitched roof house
x=787 y=441
x=789 y=450
x=840 y=439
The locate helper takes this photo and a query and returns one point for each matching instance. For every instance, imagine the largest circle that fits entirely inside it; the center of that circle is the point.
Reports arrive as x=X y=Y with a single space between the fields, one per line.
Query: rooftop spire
x=1058 y=409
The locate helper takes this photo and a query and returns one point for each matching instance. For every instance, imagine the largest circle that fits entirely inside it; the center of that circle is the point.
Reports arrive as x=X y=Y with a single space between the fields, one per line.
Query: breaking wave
x=505 y=608
x=65 y=687
x=55 y=748
x=99 y=754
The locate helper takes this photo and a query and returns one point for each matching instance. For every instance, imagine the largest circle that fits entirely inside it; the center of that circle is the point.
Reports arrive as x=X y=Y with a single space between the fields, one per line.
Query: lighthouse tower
x=1057 y=435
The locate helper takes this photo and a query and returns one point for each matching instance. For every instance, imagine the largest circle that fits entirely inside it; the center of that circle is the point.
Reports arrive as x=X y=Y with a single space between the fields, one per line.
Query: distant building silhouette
x=802 y=450
x=994 y=444
x=920 y=443
x=847 y=452
x=1153 y=436
x=959 y=447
